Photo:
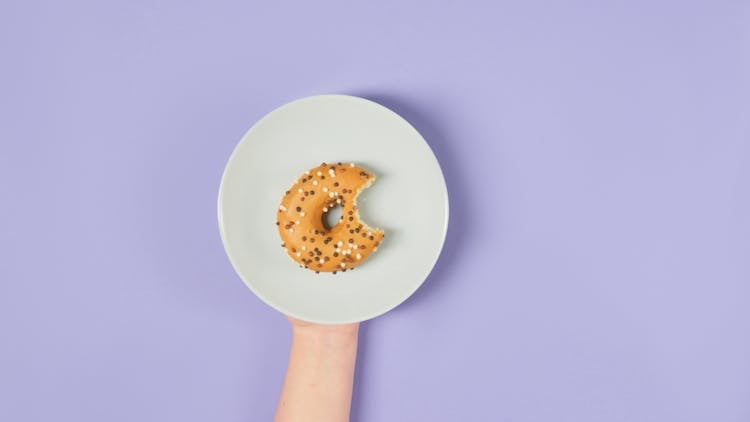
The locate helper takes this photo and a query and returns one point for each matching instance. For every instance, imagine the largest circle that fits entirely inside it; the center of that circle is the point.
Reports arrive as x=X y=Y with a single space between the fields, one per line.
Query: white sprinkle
x=355 y=247
x=304 y=248
x=319 y=173
x=300 y=190
x=282 y=208
x=359 y=256
x=348 y=251
x=369 y=233
x=325 y=209
x=343 y=265
x=296 y=222
x=351 y=164
x=325 y=189
x=307 y=172
x=321 y=260
x=331 y=195
x=302 y=213
x=291 y=230
x=337 y=250
x=340 y=243
x=332 y=173
x=315 y=183
x=338 y=201
x=299 y=253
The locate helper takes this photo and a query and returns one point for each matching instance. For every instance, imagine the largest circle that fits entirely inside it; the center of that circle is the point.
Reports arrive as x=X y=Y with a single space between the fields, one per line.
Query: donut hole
x=332 y=217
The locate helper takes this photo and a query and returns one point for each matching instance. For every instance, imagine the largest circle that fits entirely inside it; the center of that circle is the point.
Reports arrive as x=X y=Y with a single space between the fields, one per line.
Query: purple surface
x=597 y=155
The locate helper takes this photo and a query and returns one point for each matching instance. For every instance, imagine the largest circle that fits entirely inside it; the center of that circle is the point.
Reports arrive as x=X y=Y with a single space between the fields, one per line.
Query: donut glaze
x=300 y=219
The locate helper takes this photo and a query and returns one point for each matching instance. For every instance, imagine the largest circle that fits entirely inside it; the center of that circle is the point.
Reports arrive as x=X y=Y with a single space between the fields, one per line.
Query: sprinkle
x=319 y=173
x=338 y=250
x=304 y=248
x=338 y=201
x=359 y=256
x=340 y=243
x=315 y=183
x=299 y=254
x=330 y=194
x=302 y=214
x=343 y=265
x=282 y=208
x=332 y=173
x=291 y=230
x=325 y=189
x=296 y=222
x=351 y=164
x=354 y=247
x=299 y=190
x=307 y=172
x=325 y=209
x=321 y=260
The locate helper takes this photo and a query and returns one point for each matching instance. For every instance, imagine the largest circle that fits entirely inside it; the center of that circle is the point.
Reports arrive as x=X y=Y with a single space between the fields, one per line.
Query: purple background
x=597 y=156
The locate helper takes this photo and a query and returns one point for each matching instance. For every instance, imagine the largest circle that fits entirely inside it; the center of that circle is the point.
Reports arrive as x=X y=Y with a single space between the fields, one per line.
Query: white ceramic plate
x=408 y=200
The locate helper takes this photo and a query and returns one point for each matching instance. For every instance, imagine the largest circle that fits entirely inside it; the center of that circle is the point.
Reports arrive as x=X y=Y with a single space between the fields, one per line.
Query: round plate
x=409 y=200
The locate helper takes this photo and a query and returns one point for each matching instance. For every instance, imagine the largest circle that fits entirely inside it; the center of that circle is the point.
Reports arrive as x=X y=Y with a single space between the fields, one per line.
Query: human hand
x=311 y=328
x=318 y=383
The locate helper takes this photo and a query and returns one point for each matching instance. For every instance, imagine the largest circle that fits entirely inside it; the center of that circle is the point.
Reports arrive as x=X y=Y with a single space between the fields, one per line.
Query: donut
x=302 y=212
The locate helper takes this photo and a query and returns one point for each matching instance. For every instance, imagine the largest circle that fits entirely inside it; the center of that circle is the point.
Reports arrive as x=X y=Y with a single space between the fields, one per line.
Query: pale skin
x=320 y=376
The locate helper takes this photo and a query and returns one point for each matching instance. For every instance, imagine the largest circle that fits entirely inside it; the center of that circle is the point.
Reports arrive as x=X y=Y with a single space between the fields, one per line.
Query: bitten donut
x=301 y=215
